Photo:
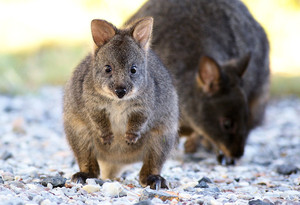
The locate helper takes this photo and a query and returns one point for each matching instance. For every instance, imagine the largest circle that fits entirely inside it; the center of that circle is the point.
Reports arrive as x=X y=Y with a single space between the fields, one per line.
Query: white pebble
x=17 y=178
x=37 y=199
x=46 y=202
x=242 y=202
x=50 y=186
x=157 y=201
x=189 y=184
x=232 y=197
x=112 y=188
x=91 y=182
x=8 y=176
x=31 y=186
x=184 y=195
x=243 y=184
x=208 y=199
x=91 y=188
x=291 y=194
x=215 y=202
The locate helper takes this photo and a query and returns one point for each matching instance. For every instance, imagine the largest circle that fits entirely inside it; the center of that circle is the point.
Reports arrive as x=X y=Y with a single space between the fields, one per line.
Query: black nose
x=120 y=92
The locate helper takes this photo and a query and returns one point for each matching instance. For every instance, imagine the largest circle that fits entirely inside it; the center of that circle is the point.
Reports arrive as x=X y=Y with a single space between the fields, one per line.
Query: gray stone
x=150 y=194
x=205 y=179
x=202 y=184
x=287 y=169
x=213 y=190
x=259 y=202
x=99 y=181
x=6 y=155
x=146 y=202
x=56 y=181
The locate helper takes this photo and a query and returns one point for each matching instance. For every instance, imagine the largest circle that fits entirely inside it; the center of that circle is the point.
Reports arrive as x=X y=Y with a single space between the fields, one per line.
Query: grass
x=50 y=64
x=53 y=64
x=282 y=86
x=26 y=71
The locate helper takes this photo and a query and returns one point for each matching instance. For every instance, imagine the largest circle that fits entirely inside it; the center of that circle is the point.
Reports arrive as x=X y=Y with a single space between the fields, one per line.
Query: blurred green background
x=41 y=41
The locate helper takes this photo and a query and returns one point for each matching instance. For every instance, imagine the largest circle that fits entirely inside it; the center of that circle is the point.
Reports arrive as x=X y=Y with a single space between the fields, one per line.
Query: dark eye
x=227 y=124
x=133 y=69
x=108 y=68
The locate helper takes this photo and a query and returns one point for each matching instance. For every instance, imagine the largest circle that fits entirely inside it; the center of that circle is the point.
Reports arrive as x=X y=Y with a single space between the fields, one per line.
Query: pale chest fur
x=119 y=150
x=118 y=116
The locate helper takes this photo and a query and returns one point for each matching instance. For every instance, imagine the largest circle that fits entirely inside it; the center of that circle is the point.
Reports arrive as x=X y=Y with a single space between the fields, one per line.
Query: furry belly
x=118 y=117
x=120 y=152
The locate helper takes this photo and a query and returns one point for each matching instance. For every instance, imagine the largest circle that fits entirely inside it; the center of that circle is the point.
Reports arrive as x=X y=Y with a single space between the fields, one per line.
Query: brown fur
x=120 y=106
x=218 y=55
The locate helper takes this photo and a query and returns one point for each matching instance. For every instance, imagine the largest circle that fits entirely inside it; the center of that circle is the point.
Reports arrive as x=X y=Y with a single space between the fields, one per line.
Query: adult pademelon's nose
x=120 y=92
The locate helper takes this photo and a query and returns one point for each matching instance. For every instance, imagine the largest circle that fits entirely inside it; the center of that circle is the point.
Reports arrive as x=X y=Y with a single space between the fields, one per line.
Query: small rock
x=18 y=126
x=32 y=186
x=37 y=199
x=232 y=197
x=46 y=202
x=287 y=169
x=56 y=181
x=205 y=179
x=18 y=178
x=213 y=190
x=259 y=202
x=1 y=180
x=189 y=185
x=6 y=155
x=243 y=184
x=202 y=184
x=91 y=188
x=157 y=201
x=91 y=181
x=237 y=179
x=291 y=194
x=113 y=189
x=8 y=108
x=17 y=184
x=241 y=202
x=50 y=186
x=99 y=182
x=207 y=199
x=7 y=176
x=163 y=195
x=146 y=202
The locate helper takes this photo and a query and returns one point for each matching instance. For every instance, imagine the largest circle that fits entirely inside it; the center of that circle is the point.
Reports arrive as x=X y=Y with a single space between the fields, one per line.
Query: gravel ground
x=36 y=163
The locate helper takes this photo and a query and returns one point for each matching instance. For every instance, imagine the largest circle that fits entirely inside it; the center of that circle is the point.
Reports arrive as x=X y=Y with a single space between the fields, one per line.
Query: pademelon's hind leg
x=257 y=106
x=88 y=166
x=153 y=162
x=84 y=154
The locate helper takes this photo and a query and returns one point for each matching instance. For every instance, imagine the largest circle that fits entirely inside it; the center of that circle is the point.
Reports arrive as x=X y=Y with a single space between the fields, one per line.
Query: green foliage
x=285 y=85
x=53 y=63
x=27 y=71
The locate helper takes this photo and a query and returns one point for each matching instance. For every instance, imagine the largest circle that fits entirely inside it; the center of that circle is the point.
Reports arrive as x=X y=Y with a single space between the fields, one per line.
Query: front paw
x=107 y=138
x=190 y=145
x=223 y=160
x=132 y=138
x=80 y=177
x=157 y=182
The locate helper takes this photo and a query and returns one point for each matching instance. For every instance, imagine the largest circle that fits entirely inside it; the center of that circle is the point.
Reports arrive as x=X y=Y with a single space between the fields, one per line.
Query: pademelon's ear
x=142 y=32
x=242 y=64
x=102 y=31
x=239 y=65
x=209 y=75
